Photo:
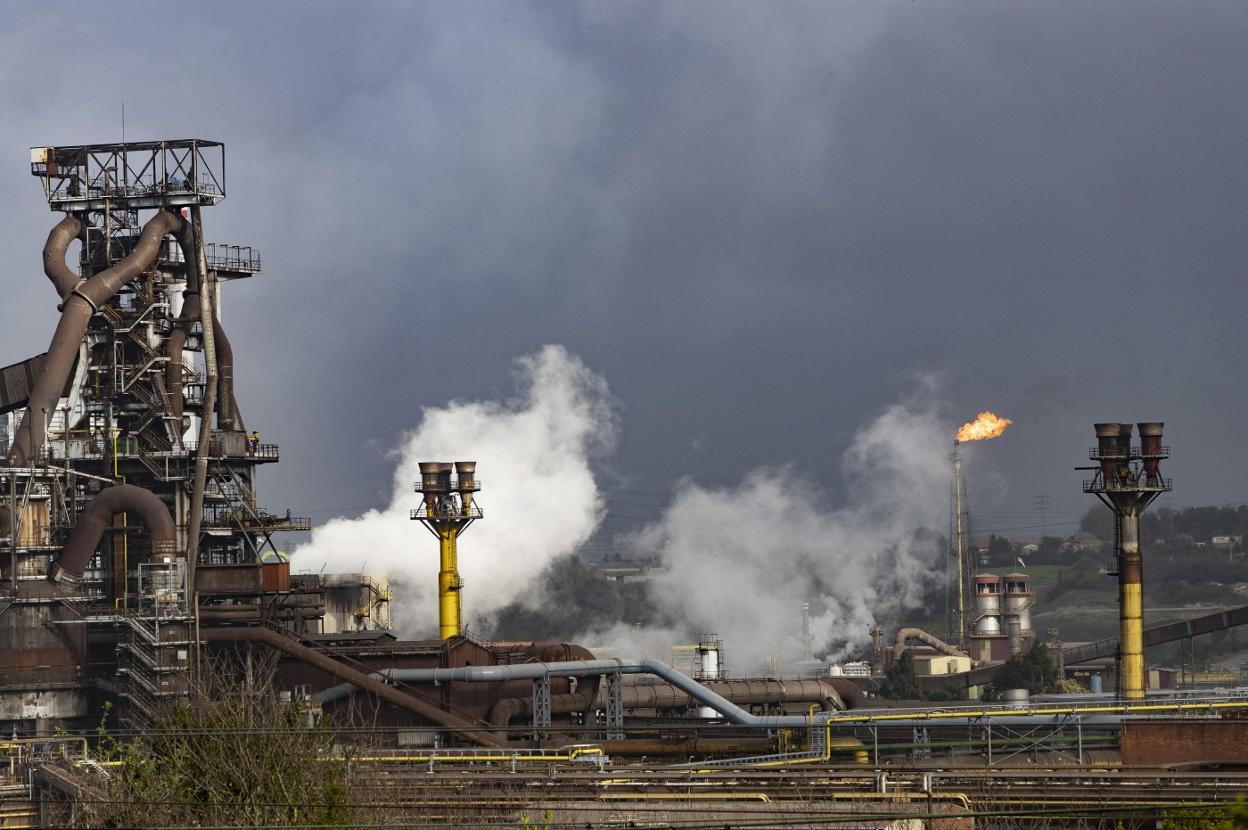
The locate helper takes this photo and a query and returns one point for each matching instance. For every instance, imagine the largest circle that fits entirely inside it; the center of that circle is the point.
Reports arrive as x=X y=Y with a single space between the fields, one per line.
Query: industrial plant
x=138 y=560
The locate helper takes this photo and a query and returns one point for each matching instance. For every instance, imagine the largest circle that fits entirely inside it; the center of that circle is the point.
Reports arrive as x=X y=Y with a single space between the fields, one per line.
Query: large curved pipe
x=228 y=417
x=288 y=645
x=919 y=634
x=176 y=343
x=95 y=518
x=227 y=407
x=65 y=232
x=82 y=302
x=578 y=668
x=174 y=347
x=662 y=696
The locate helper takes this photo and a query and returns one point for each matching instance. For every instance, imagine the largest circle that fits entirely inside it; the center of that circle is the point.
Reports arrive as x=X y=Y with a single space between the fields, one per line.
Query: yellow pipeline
x=450 y=619
x=1125 y=709
x=485 y=755
x=734 y=796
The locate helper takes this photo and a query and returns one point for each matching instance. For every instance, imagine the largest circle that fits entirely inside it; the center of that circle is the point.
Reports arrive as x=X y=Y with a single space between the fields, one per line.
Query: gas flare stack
x=447 y=511
x=985 y=427
x=1128 y=479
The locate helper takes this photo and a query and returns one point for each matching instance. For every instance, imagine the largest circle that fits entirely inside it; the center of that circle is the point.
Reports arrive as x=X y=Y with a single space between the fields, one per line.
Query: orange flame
x=986 y=425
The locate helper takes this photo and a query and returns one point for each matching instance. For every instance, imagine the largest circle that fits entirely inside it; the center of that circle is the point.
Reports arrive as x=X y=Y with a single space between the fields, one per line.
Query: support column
x=450 y=619
x=541 y=706
x=615 y=706
x=1131 y=610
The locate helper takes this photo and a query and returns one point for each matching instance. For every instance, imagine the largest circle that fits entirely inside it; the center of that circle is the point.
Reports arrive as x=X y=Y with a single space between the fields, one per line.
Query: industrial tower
x=130 y=415
x=1127 y=480
x=447 y=511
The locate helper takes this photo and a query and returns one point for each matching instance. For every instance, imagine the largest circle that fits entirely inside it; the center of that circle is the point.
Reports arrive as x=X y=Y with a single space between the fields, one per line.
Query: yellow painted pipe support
x=450 y=615
x=1131 y=610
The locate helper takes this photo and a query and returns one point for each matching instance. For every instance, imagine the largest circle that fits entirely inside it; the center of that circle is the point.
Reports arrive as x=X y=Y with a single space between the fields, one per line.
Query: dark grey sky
x=759 y=221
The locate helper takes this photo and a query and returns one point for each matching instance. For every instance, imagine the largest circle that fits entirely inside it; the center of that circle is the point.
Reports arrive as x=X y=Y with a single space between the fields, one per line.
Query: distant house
x=1029 y=548
x=1222 y=541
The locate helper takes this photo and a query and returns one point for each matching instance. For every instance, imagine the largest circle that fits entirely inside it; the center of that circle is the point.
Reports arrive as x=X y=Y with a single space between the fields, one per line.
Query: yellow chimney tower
x=447 y=511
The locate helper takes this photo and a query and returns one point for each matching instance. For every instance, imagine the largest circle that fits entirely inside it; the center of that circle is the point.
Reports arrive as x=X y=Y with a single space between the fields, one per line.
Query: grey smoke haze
x=534 y=452
x=737 y=561
x=758 y=220
x=740 y=561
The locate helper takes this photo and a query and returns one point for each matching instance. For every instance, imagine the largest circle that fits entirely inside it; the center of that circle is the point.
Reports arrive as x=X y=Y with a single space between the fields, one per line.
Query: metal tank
x=1018 y=600
x=988 y=605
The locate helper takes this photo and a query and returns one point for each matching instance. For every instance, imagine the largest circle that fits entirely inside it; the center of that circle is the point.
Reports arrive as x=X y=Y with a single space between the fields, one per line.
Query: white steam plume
x=741 y=560
x=538 y=492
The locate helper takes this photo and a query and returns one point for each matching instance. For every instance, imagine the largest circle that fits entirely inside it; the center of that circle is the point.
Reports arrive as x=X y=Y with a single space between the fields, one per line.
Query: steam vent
x=1128 y=479
x=447 y=510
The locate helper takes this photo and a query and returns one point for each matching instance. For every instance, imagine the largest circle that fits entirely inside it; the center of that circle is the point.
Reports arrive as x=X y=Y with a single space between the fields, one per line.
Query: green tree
x=1000 y=551
x=901 y=683
x=226 y=758
x=1033 y=671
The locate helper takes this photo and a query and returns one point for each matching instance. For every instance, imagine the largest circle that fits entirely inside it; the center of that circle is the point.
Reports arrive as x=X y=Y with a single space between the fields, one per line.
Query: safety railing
x=473 y=512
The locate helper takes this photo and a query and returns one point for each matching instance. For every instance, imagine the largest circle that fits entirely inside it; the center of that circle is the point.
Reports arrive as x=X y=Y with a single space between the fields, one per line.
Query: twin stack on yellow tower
x=447 y=511
x=1127 y=480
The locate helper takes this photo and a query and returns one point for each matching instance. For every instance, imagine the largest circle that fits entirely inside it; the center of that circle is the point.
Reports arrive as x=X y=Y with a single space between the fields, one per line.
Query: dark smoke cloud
x=759 y=220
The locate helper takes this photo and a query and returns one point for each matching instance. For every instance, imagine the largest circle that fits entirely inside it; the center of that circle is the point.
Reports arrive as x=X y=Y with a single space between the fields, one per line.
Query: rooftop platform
x=135 y=175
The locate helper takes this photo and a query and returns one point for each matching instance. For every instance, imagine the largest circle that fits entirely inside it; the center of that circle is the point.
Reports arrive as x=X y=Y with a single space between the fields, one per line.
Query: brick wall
x=1153 y=743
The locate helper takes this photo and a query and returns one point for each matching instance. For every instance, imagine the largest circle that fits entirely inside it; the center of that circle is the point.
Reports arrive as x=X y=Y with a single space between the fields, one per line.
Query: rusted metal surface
x=473 y=731
x=17 y=380
x=275 y=576
x=125 y=498
x=229 y=579
x=78 y=308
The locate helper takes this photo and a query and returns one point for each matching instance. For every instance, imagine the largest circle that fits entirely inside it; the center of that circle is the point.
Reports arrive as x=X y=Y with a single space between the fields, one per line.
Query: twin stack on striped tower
x=1128 y=479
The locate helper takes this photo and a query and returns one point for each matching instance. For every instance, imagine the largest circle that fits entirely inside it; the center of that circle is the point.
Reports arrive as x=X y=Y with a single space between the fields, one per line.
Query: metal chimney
x=1107 y=449
x=429 y=484
x=447 y=524
x=466 y=473
x=1127 y=482
x=1151 y=450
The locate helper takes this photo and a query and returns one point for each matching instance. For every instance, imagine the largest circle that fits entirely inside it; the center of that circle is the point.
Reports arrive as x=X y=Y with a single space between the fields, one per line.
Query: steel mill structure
x=1127 y=479
x=137 y=558
x=135 y=550
x=1002 y=619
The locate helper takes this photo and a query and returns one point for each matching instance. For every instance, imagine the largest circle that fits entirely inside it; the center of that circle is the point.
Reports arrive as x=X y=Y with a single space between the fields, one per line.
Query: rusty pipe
x=95 y=519
x=822 y=691
x=288 y=645
x=919 y=634
x=228 y=417
x=54 y=250
x=1107 y=449
x=1150 y=448
x=429 y=485
x=81 y=303
x=176 y=343
x=227 y=411
x=174 y=347
x=467 y=474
